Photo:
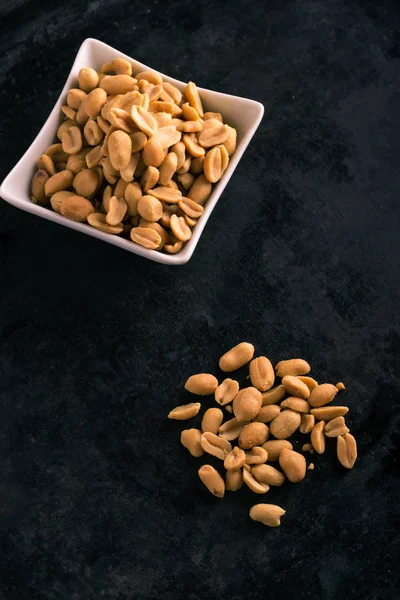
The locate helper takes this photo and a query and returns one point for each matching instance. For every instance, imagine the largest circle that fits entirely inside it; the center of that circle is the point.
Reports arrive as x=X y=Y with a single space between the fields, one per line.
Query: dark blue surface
x=97 y=497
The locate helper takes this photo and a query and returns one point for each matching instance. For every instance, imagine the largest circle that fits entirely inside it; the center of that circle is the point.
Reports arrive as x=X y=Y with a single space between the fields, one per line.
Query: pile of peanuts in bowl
x=135 y=157
x=297 y=403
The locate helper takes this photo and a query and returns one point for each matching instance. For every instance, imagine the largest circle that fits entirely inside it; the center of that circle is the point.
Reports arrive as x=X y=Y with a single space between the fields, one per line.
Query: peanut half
x=212 y=480
x=236 y=357
x=215 y=445
x=190 y=439
x=347 y=450
x=336 y=427
x=268 y=514
x=226 y=392
x=275 y=447
x=268 y=474
x=201 y=384
x=294 y=366
x=256 y=456
x=293 y=465
x=262 y=374
x=212 y=420
x=185 y=411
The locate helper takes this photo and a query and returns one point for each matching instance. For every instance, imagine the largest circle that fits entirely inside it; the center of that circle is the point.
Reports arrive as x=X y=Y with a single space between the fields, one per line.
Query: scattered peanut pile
x=297 y=403
x=136 y=157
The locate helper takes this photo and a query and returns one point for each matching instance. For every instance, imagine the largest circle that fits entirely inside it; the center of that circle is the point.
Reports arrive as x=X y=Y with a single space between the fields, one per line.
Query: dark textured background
x=97 y=497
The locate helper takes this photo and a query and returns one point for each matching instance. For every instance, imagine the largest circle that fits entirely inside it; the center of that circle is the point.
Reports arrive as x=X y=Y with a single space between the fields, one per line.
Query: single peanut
x=336 y=427
x=318 y=437
x=200 y=190
x=98 y=221
x=295 y=387
x=150 y=208
x=75 y=98
x=58 y=198
x=146 y=237
x=118 y=66
x=226 y=391
x=252 y=483
x=94 y=157
x=118 y=84
x=347 y=450
x=231 y=429
x=247 y=404
x=323 y=394
x=72 y=140
x=212 y=420
x=212 y=165
x=166 y=194
x=45 y=163
x=294 y=366
x=236 y=357
x=268 y=474
x=253 y=434
x=88 y=79
x=275 y=447
x=327 y=413
x=85 y=182
x=297 y=404
x=190 y=438
x=307 y=423
x=293 y=465
x=77 y=162
x=133 y=193
x=234 y=480
x=309 y=381
x=150 y=76
x=168 y=168
x=215 y=445
x=230 y=142
x=268 y=514
x=214 y=135
x=235 y=459
x=59 y=181
x=185 y=411
x=76 y=208
x=193 y=97
x=120 y=148
x=285 y=424
x=202 y=384
x=117 y=210
x=256 y=456
x=164 y=235
x=267 y=413
x=38 y=189
x=190 y=208
x=262 y=374
x=273 y=396
x=212 y=480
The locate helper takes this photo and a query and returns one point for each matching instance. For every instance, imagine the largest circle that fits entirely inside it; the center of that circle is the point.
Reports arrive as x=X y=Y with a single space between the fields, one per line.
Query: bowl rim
x=184 y=255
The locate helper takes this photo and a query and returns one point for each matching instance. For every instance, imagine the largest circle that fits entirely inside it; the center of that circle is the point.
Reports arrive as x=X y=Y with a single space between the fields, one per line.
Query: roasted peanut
x=212 y=115
x=72 y=140
x=59 y=181
x=309 y=381
x=200 y=190
x=117 y=84
x=77 y=162
x=146 y=237
x=212 y=420
x=149 y=179
x=196 y=165
x=192 y=145
x=347 y=450
x=127 y=172
x=235 y=459
x=285 y=424
x=120 y=188
x=150 y=208
x=268 y=514
x=293 y=465
x=226 y=391
x=186 y=180
x=38 y=189
x=93 y=133
x=190 y=438
x=262 y=374
x=76 y=208
x=65 y=125
x=215 y=445
x=75 y=98
x=213 y=136
x=193 y=96
x=45 y=163
x=168 y=168
x=138 y=140
x=256 y=456
x=133 y=193
x=202 y=384
x=236 y=357
x=153 y=154
x=294 y=366
x=144 y=120
x=253 y=434
x=120 y=148
x=88 y=79
x=98 y=221
x=268 y=474
x=180 y=151
x=297 y=404
x=117 y=211
x=56 y=153
x=318 y=437
x=118 y=66
x=267 y=413
x=213 y=165
x=295 y=387
x=231 y=429
x=94 y=157
x=307 y=423
x=85 y=182
x=230 y=142
x=327 y=413
x=190 y=208
x=174 y=247
x=95 y=102
x=234 y=480
x=323 y=394
x=180 y=228
x=164 y=235
x=185 y=411
x=275 y=447
x=336 y=427
x=247 y=404
x=58 y=198
x=273 y=396
x=212 y=480
x=150 y=76
x=252 y=483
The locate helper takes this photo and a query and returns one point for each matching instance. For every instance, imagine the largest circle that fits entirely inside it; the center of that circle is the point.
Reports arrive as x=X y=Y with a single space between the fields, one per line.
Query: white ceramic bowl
x=243 y=114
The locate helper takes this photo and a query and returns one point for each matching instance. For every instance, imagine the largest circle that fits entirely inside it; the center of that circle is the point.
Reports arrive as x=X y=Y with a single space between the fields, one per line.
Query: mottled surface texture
x=98 y=498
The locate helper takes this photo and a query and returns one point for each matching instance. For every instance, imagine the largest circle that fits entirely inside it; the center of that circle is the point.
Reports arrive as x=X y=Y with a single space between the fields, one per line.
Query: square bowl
x=242 y=113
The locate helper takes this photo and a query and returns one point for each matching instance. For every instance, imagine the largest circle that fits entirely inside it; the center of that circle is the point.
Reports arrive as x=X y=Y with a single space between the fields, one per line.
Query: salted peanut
x=267 y=474
x=56 y=183
x=212 y=419
x=168 y=168
x=153 y=91
x=253 y=434
x=295 y=387
x=196 y=167
x=318 y=437
x=297 y=404
x=127 y=173
x=77 y=162
x=76 y=208
x=336 y=427
x=213 y=165
x=81 y=115
x=327 y=413
x=166 y=194
x=180 y=228
x=153 y=154
x=109 y=172
x=65 y=125
x=190 y=207
x=267 y=413
x=323 y=394
x=93 y=133
x=190 y=126
x=88 y=79
x=191 y=222
x=190 y=439
x=268 y=514
x=215 y=445
x=252 y=483
x=107 y=195
x=146 y=237
x=226 y=391
x=340 y=386
x=202 y=384
x=231 y=429
x=38 y=189
x=247 y=404
x=185 y=411
x=138 y=140
x=294 y=366
x=172 y=91
x=285 y=424
x=309 y=381
x=213 y=136
x=150 y=76
x=307 y=448
x=95 y=102
x=56 y=153
x=157 y=106
x=256 y=456
x=200 y=190
x=58 y=198
x=103 y=124
x=347 y=450
x=173 y=248
x=117 y=210
x=185 y=167
x=119 y=147
x=180 y=150
x=262 y=374
x=192 y=145
x=120 y=119
x=133 y=193
x=164 y=235
x=212 y=480
x=85 y=182
x=275 y=447
x=224 y=157
x=235 y=459
x=190 y=113
x=98 y=221
x=273 y=396
x=186 y=180
x=236 y=357
x=93 y=157
x=230 y=142
x=307 y=423
x=69 y=112
x=118 y=84
x=149 y=179
x=45 y=163
x=75 y=98
x=144 y=120
x=118 y=66
x=293 y=465
x=233 y=480
x=72 y=140
x=193 y=97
